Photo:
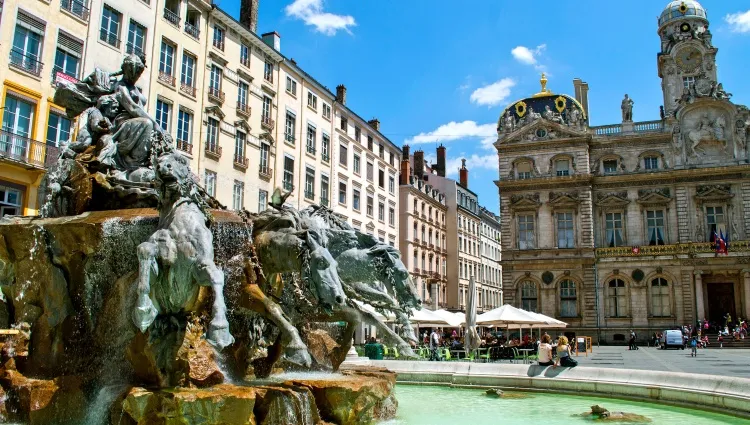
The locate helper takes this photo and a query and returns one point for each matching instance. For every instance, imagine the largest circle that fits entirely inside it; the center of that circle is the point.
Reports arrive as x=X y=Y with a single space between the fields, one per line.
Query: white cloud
x=473 y=162
x=493 y=94
x=457 y=131
x=739 y=22
x=311 y=12
x=529 y=56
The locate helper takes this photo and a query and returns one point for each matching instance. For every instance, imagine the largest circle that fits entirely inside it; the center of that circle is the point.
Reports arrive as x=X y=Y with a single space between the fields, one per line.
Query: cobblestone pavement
x=725 y=362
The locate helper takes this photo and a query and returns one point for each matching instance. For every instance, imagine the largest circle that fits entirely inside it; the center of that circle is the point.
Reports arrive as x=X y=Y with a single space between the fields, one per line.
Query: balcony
x=311 y=149
x=639 y=127
x=215 y=95
x=289 y=138
x=325 y=157
x=109 y=38
x=213 y=151
x=265 y=172
x=192 y=30
x=132 y=49
x=185 y=146
x=324 y=201
x=268 y=76
x=267 y=122
x=187 y=89
x=75 y=8
x=219 y=44
x=166 y=79
x=22 y=149
x=243 y=109
x=245 y=61
x=25 y=62
x=681 y=249
x=287 y=185
x=309 y=195
x=240 y=161
x=172 y=17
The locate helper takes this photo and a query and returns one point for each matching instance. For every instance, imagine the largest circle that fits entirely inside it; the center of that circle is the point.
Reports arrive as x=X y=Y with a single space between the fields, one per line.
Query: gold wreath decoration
x=521 y=109
x=561 y=103
x=683 y=8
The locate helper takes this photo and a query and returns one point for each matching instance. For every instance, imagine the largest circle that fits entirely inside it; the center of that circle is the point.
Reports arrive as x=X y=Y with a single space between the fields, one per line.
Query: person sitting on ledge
x=563 y=353
x=545 y=351
x=374 y=349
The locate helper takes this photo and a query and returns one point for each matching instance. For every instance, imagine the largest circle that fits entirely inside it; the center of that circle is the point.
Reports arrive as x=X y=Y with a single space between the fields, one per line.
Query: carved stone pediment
x=543 y=129
x=654 y=196
x=242 y=124
x=612 y=199
x=564 y=200
x=710 y=193
x=215 y=111
x=267 y=137
x=525 y=202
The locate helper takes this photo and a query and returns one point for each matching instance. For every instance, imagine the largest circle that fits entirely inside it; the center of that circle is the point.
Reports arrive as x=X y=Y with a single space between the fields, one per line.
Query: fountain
x=136 y=298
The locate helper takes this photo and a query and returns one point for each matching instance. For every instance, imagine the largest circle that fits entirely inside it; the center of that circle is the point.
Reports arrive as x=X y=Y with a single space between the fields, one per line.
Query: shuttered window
x=31 y=22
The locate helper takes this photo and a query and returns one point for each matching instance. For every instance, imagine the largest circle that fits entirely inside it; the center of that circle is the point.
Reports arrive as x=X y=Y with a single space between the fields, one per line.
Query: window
x=291 y=86
x=562 y=167
x=357 y=133
x=212 y=135
x=245 y=54
x=355 y=199
x=381 y=178
x=610 y=166
x=238 y=195
x=343 y=155
x=324 y=190
x=311 y=136
x=58 y=129
x=529 y=296
x=214 y=82
x=166 y=59
x=651 y=163
x=309 y=183
x=565 y=238
x=688 y=82
x=370 y=171
x=342 y=193
x=10 y=201
x=371 y=207
x=568 y=299
x=344 y=124
x=660 y=305
x=27 y=44
x=243 y=89
x=391 y=216
x=288 y=180
x=390 y=158
x=219 y=37
x=391 y=184
x=163 y=111
x=381 y=211
x=716 y=223
x=209 y=183
x=655 y=227
x=268 y=71
x=184 y=126
x=369 y=143
x=240 y=139
x=616 y=299
x=68 y=55
x=136 y=38
x=523 y=170
x=613 y=229
x=526 y=232
x=356 y=163
x=262 y=200
x=326 y=148
x=110 y=29
x=289 y=127
x=312 y=100
x=265 y=150
x=381 y=151
x=326 y=111
x=187 y=75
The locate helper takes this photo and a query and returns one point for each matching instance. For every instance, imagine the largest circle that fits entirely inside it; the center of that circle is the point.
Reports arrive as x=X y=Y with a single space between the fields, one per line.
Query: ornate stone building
x=618 y=227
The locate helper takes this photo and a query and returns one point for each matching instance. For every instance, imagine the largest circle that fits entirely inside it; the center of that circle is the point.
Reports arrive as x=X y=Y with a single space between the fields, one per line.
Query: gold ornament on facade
x=560 y=103
x=545 y=91
x=521 y=109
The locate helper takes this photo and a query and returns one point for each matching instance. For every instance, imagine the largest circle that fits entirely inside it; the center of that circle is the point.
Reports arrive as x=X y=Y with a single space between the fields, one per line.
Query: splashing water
x=98 y=410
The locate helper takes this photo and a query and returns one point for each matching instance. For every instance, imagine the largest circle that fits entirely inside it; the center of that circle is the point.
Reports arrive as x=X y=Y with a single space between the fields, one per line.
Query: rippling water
x=430 y=405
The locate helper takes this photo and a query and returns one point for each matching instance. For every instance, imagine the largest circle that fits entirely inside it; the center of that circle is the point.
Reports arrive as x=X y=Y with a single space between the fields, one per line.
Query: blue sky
x=443 y=70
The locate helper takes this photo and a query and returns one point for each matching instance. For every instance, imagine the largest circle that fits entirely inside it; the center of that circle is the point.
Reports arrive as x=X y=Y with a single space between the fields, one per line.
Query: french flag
x=722 y=244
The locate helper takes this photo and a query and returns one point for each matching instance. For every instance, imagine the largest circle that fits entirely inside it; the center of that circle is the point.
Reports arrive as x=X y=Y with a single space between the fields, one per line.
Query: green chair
x=487 y=357
x=386 y=352
x=517 y=355
x=395 y=353
x=447 y=354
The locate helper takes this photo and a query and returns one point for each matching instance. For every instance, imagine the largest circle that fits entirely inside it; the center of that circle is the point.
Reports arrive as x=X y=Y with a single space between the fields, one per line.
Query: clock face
x=688 y=59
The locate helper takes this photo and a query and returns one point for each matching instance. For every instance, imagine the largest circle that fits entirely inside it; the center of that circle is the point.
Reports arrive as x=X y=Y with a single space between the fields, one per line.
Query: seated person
x=545 y=351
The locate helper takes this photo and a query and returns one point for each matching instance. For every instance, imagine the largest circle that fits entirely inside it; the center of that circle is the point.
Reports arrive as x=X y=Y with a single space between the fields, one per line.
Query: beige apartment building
x=491 y=273
x=422 y=231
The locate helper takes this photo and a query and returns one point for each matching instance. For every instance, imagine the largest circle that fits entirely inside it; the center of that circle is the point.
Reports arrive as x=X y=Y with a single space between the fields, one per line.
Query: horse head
x=323 y=273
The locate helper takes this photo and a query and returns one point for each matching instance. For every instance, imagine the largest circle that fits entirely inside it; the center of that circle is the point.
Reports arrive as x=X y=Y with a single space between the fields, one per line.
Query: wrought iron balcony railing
x=109 y=38
x=219 y=44
x=213 y=150
x=166 y=78
x=241 y=161
x=76 y=8
x=192 y=30
x=24 y=149
x=215 y=95
x=185 y=146
x=267 y=122
x=187 y=89
x=25 y=62
x=265 y=172
x=243 y=109
x=172 y=17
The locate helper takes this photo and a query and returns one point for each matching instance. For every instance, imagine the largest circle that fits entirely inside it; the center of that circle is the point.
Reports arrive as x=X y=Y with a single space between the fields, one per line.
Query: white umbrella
x=426 y=317
x=508 y=315
x=471 y=339
x=550 y=322
x=455 y=319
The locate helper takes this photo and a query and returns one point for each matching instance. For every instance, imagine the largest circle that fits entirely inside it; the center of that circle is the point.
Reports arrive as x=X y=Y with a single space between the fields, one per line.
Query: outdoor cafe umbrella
x=471 y=339
x=509 y=316
x=455 y=319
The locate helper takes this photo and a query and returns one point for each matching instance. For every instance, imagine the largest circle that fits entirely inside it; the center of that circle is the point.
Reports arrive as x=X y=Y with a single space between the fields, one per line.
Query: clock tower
x=687 y=56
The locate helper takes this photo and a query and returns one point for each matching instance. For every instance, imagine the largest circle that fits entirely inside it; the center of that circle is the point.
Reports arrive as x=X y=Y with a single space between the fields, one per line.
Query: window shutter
x=70 y=44
x=31 y=22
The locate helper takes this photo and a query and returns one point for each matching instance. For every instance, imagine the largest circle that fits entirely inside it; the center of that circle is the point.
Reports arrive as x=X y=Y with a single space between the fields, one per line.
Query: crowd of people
x=696 y=336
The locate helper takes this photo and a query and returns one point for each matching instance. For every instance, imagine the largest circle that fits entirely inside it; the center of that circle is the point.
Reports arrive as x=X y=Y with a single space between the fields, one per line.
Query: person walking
x=434 y=345
x=632 y=343
x=693 y=347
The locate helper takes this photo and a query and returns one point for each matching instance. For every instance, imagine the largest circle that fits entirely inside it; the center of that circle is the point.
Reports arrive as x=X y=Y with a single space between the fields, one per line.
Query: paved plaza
x=725 y=362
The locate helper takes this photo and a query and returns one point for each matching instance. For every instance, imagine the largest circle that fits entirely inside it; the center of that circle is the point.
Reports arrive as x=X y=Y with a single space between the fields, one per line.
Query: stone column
x=700 y=311
x=746 y=291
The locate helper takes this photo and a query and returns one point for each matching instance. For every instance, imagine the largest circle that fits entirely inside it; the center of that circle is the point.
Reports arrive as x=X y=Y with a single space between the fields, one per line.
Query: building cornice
x=423 y=195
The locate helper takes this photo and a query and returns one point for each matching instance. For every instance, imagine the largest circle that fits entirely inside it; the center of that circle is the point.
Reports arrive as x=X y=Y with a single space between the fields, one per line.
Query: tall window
x=326 y=148
x=240 y=139
x=357 y=133
x=356 y=163
x=309 y=183
x=288 y=180
x=370 y=143
x=209 y=183
x=212 y=135
x=187 y=75
x=391 y=184
x=344 y=124
x=268 y=71
x=613 y=229
x=343 y=155
x=529 y=296
x=568 y=299
x=262 y=200
x=326 y=111
x=242 y=92
x=219 y=37
x=166 y=59
x=655 y=227
x=289 y=127
x=616 y=299
x=311 y=136
x=370 y=171
x=381 y=211
x=136 y=38
x=391 y=216
x=565 y=237
x=381 y=151
x=163 y=111
x=214 y=82
x=716 y=221
x=184 y=126
x=660 y=306
x=266 y=111
x=562 y=167
x=371 y=209
x=381 y=178
x=68 y=55
x=324 y=195
x=244 y=54
x=291 y=86
x=356 y=199
x=526 y=232
x=58 y=129
x=342 y=193
x=238 y=195
x=265 y=150
x=110 y=28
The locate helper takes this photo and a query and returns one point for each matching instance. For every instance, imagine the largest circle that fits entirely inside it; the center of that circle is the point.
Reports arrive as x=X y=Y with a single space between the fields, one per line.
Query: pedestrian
x=632 y=342
x=434 y=345
x=693 y=347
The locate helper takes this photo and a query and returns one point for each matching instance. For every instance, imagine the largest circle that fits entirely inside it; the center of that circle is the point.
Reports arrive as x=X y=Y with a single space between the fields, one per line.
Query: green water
x=431 y=405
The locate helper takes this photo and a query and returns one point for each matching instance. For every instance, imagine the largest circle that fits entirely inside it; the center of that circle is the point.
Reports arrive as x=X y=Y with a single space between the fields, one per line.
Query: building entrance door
x=720 y=302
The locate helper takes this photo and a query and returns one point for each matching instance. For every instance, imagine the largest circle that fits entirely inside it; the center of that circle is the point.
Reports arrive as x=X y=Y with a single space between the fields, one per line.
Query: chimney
x=272 y=39
x=441 y=160
x=405 y=152
x=581 y=90
x=341 y=94
x=405 y=171
x=463 y=174
x=249 y=14
x=374 y=123
x=419 y=164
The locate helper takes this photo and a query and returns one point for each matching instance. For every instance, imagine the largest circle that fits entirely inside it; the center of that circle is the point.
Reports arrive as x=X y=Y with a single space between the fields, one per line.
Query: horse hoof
x=144 y=314
x=298 y=356
x=220 y=338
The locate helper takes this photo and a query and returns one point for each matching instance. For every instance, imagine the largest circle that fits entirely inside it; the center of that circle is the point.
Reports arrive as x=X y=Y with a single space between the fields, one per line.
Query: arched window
x=529 y=297
x=660 y=306
x=616 y=299
x=568 y=299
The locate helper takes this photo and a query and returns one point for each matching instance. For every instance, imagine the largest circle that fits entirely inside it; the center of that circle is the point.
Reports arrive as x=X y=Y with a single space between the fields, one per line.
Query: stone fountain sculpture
x=140 y=296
